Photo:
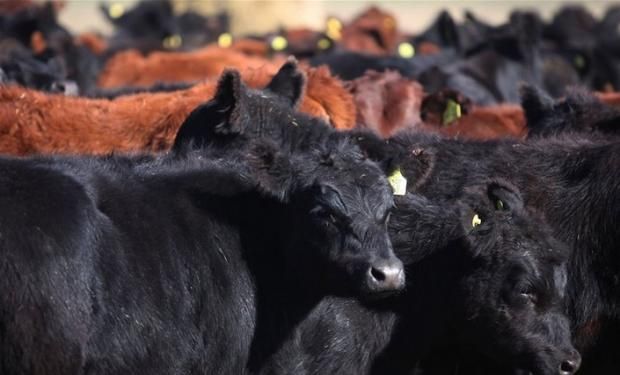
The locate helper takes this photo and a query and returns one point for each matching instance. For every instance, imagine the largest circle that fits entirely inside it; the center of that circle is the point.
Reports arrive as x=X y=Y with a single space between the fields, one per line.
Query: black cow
x=491 y=71
x=573 y=180
x=153 y=25
x=342 y=335
x=18 y=65
x=579 y=112
x=482 y=271
x=181 y=263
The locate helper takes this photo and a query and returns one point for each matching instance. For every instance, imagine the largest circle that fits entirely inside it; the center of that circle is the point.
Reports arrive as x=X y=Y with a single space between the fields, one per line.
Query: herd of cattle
x=177 y=200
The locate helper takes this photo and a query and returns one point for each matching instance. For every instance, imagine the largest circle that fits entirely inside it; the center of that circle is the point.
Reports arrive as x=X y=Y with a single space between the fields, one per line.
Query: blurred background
x=259 y=16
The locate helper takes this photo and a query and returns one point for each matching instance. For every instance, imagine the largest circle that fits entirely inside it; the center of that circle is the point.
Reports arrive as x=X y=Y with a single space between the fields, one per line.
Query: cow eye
x=500 y=205
x=333 y=219
x=529 y=296
x=326 y=217
x=476 y=221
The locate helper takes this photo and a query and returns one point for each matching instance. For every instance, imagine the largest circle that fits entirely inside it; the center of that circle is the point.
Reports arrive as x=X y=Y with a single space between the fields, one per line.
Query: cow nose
x=571 y=365
x=386 y=276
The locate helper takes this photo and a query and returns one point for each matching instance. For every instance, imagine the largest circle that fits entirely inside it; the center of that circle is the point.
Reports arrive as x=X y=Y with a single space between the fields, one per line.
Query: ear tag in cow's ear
x=475 y=221
x=406 y=50
x=172 y=41
x=334 y=28
x=225 y=40
x=398 y=182
x=279 y=43
x=116 y=10
x=323 y=43
x=452 y=112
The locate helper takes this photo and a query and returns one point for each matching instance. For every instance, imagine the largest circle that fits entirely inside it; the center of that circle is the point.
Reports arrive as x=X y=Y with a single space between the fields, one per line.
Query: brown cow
x=386 y=102
x=130 y=68
x=34 y=122
x=373 y=31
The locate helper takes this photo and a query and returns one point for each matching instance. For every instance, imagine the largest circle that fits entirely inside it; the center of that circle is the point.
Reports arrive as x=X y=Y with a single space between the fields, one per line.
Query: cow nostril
x=377 y=274
x=386 y=277
x=569 y=367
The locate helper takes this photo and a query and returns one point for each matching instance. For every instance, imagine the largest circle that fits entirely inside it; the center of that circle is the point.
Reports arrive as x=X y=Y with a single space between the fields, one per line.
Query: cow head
x=579 y=112
x=238 y=113
x=513 y=298
x=337 y=201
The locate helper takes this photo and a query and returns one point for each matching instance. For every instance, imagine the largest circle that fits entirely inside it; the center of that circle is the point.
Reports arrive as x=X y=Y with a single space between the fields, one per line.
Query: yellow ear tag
x=116 y=10
x=323 y=43
x=279 y=43
x=172 y=41
x=475 y=221
x=452 y=112
x=225 y=40
x=406 y=50
x=333 y=29
x=398 y=182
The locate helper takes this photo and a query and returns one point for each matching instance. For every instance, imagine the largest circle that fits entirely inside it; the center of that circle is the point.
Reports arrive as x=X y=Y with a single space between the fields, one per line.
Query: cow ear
x=373 y=147
x=289 y=83
x=228 y=101
x=220 y=117
x=112 y=12
x=447 y=30
x=536 y=104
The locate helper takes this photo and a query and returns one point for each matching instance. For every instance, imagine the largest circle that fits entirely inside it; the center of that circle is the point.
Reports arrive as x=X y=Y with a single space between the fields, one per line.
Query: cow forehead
x=368 y=201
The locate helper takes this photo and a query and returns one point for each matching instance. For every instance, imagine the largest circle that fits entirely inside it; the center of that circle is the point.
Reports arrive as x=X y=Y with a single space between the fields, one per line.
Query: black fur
x=572 y=180
x=494 y=289
x=186 y=262
x=579 y=112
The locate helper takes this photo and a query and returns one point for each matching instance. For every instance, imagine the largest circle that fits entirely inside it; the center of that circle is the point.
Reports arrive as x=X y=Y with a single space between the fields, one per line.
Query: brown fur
x=95 y=43
x=611 y=98
x=34 y=122
x=386 y=102
x=488 y=123
x=37 y=42
x=130 y=68
x=327 y=97
x=427 y=48
x=356 y=37
x=251 y=47
x=13 y=6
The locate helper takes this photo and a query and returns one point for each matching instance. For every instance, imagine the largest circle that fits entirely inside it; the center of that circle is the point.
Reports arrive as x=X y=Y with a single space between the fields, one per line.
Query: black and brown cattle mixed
x=461 y=221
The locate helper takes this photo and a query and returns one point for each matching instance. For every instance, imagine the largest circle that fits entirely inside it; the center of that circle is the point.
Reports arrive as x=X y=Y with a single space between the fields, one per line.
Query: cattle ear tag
x=398 y=182
x=323 y=43
x=172 y=41
x=452 y=112
x=475 y=221
x=225 y=40
x=333 y=28
x=406 y=50
x=116 y=10
x=279 y=43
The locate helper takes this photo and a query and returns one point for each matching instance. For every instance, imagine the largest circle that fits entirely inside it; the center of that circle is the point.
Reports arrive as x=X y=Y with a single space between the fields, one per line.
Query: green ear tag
x=452 y=112
x=398 y=182
x=172 y=41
